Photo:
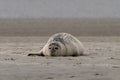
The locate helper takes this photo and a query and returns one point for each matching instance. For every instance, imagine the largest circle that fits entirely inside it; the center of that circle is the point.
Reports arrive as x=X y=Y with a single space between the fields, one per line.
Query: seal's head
x=54 y=49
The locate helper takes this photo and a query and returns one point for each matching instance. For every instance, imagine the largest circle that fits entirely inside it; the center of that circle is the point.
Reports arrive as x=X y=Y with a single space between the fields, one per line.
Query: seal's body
x=62 y=44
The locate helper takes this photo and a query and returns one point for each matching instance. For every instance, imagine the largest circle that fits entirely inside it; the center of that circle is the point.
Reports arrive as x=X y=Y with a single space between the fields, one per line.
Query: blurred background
x=46 y=17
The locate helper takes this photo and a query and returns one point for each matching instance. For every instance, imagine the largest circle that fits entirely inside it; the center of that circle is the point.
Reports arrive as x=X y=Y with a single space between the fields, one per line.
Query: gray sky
x=59 y=8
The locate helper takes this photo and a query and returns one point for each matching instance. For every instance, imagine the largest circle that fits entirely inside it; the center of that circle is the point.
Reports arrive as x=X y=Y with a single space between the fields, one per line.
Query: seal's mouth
x=53 y=52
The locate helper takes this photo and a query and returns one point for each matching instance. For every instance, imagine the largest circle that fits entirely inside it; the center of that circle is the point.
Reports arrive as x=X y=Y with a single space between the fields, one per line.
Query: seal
x=61 y=44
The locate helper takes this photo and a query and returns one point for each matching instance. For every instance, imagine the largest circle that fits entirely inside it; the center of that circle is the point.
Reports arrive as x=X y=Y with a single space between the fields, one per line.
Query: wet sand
x=102 y=63
x=49 y=26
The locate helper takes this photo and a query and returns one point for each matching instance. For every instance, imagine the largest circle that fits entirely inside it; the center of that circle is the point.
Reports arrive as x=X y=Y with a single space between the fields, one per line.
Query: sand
x=102 y=63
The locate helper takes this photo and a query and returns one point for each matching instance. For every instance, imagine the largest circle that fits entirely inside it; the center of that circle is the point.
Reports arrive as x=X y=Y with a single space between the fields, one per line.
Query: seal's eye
x=49 y=48
x=56 y=48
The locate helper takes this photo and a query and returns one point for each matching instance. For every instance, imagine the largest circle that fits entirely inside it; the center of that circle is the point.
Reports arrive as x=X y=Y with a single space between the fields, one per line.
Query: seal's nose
x=52 y=50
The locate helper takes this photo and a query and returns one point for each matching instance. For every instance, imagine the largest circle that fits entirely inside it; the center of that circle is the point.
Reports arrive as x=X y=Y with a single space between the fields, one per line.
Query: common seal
x=61 y=44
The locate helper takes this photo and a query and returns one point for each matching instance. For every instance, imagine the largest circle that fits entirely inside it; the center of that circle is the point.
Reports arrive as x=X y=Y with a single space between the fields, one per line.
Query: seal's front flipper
x=36 y=54
x=31 y=54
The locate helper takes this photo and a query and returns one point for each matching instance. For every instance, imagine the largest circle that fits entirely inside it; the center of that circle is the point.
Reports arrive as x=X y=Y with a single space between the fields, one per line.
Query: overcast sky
x=59 y=8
